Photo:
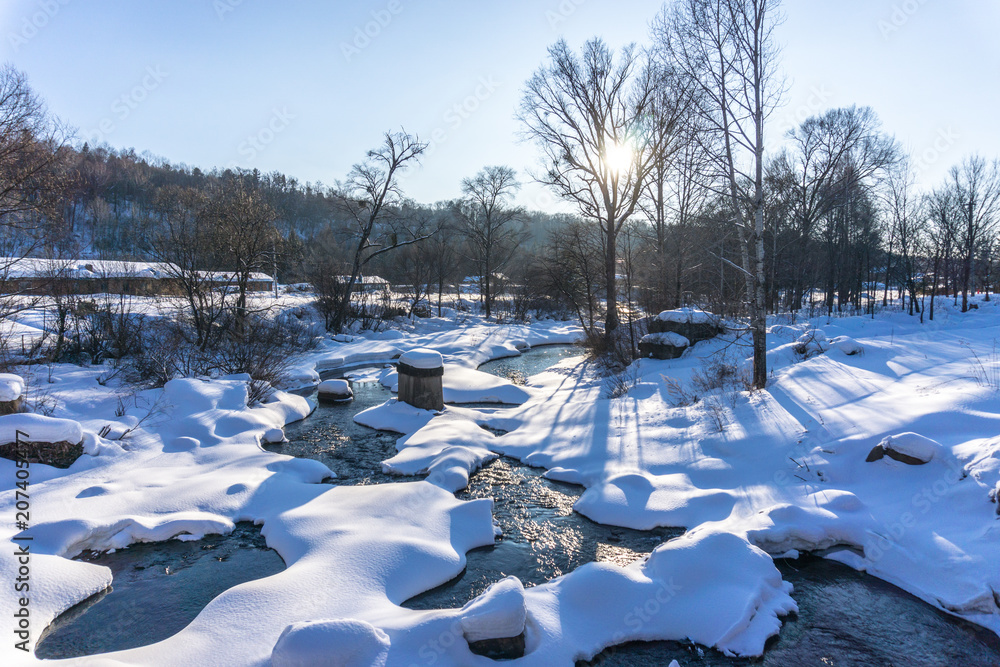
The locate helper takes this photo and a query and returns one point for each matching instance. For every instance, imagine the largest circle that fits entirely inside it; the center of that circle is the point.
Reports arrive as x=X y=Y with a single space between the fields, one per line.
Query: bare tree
x=590 y=115
x=33 y=178
x=368 y=198
x=829 y=155
x=243 y=225
x=908 y=221
x=186 y=243
x=492 y=225
x=573 y=270
x=726 y=47
x=975 y=186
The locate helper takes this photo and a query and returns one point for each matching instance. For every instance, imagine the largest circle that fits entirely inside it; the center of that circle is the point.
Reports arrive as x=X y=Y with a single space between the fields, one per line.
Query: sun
x=618 y=157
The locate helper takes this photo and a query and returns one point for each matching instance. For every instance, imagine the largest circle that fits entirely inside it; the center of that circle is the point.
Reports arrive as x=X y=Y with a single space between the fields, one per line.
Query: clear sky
x=297 y=86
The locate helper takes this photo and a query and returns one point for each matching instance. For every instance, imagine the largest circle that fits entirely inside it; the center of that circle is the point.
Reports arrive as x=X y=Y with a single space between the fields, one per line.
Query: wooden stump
x=421 y=379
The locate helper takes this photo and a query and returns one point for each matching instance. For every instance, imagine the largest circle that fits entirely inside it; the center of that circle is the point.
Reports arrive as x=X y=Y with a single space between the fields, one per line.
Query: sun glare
x=618 y=157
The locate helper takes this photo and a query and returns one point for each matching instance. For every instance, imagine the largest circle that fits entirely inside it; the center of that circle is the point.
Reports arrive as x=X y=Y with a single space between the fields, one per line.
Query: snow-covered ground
x=751 y=476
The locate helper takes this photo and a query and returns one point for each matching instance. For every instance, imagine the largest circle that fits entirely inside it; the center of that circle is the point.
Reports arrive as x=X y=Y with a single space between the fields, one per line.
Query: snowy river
x=845 y=617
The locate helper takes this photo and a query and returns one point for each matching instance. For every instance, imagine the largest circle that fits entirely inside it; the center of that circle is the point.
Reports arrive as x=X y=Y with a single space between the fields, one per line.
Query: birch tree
x=726 y=48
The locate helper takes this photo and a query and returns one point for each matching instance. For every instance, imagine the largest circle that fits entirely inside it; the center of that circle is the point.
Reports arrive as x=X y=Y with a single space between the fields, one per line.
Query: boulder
x=335 y=391
x=909 y=448
x=664 y=345
x=41 y=439
x=11 y=394
x=691 y=323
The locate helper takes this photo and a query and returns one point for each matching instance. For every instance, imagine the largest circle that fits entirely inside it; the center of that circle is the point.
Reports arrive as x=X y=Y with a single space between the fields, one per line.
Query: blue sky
x=291 y=86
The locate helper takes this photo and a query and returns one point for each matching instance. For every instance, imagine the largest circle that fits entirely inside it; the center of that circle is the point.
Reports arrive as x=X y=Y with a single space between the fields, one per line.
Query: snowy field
x=751 y=477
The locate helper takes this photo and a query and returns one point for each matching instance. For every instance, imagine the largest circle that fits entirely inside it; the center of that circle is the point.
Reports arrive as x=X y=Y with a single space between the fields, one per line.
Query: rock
x=41 y=439
x=691 y=323
x=912 y=446
x=909 y=448
x=510 y=648
x=876 y=454
x=274 y=436
x=664 y=345
x=11 y=394
x=55 y=454
x=339 y=643
x=847 y=345
x=335 y=391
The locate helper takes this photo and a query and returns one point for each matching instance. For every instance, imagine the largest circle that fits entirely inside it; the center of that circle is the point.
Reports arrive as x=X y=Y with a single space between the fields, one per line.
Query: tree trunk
x=610 y=270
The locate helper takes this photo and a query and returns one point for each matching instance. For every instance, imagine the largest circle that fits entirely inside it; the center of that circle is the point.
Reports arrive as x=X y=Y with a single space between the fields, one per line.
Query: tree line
x=680 y=193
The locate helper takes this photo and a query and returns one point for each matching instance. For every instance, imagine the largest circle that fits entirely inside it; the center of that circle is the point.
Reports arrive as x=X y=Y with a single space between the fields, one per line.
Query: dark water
x=532 y=362
x=157 y=590
x=331 y=435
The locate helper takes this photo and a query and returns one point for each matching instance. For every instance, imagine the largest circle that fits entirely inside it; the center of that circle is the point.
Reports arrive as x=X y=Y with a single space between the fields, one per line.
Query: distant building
x=91 y=276
x=367 y=284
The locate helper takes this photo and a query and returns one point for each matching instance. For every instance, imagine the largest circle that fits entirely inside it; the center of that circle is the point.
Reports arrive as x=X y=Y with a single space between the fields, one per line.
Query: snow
x=750 y=476
x=11 y=387
x=498 y=613
x=344 y=643
x=274 y=436
x=466 y=385
x=39 y=428
x=847 y=345
x=714 y=589
x=687 y=315
x=422 y=358
x=335 y=389
x=666 y=338
x=913 y=445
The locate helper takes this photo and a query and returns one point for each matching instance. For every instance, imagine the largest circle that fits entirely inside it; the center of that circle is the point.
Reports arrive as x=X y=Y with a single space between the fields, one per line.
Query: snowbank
x=11 y=387
x=498 y=613
x=342 y=643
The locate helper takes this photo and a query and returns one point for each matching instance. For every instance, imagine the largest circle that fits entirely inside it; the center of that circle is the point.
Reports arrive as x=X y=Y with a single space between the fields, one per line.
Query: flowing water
x=157 y=590
x=845 y=617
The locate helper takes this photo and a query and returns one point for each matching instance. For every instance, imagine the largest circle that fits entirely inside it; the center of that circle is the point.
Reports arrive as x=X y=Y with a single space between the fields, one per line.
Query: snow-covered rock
x=498 y=613
x=11 y=387
x=686 y=315
x=341 y=643
x=911 y=448
x=847 y=345
x=666 y=338
x=39 y=428
x=274 y=436
x=335 y=390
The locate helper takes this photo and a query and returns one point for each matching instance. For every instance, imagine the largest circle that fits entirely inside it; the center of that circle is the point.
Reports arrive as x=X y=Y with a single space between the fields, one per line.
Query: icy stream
x=845 y=618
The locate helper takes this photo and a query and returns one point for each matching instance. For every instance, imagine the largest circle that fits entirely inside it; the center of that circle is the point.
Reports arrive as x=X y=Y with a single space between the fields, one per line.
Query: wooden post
x=421 y=379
